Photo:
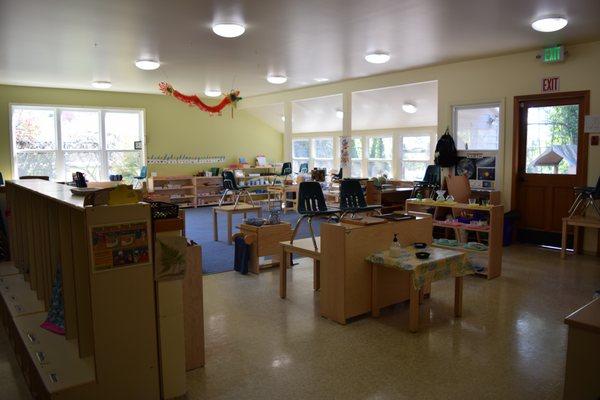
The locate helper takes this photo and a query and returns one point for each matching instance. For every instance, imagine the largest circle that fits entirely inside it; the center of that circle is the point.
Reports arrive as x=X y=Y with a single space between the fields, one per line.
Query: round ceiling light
x=147 y=65
x=339 y=114
x=212 y=92
x=320 y=80
x=409 y=108
x=101 y=84
x=276 y=79
x=377 y=57
x=283 y=118
x=549 y=24
x=229 y=30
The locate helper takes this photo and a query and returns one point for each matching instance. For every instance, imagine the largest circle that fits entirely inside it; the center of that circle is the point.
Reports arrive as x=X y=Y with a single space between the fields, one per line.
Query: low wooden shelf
x=265 y=242
x=494 y=229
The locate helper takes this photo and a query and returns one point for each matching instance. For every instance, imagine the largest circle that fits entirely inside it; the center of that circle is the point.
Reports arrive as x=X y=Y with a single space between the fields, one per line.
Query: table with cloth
x=441 y=264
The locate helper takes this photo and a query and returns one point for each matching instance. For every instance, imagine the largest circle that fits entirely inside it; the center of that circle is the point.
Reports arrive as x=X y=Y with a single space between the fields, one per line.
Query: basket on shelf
x=162 y=210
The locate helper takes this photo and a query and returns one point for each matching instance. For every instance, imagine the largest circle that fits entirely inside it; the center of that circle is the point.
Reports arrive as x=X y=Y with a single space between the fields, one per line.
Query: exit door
x=550 y=159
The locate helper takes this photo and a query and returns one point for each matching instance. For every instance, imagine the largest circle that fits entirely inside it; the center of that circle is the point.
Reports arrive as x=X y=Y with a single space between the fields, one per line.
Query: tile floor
x=510 y=343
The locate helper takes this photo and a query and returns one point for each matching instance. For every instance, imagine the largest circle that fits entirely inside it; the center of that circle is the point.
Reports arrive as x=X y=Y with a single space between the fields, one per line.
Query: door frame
x=584 y=110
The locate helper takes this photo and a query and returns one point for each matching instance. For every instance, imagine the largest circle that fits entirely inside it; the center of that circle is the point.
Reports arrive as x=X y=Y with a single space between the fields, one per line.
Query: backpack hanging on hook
x=445 y=151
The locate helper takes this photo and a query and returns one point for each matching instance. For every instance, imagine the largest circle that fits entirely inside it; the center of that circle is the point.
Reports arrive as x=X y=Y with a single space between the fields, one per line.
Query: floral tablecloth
x=441 y=264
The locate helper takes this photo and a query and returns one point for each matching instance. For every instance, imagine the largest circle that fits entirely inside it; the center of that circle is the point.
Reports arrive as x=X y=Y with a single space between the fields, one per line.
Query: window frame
x=400 y=152
x=312 y=150
x=60 y=171
x=392 y=135
x=491 y=104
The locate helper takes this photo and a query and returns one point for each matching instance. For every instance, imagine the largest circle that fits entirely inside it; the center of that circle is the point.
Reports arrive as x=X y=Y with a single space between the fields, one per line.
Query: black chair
x=230 y=185
x=303 y=168
x=352 y=198
x=429 y=184
x=337 y=177
x=311 y=203
x=586 y=196
x=286 y=171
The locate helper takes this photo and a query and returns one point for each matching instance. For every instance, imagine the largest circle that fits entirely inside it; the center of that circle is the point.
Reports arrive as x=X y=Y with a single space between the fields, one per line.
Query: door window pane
x=323 y=148
x=126 y=163
x=477 y=128
x=378 y=168
x=80 y=130
x=380 y=148
x=34 y=129
x=552 y=136
x=300 y=149
x=37 y=164
x=86 y=162
x=122 y=130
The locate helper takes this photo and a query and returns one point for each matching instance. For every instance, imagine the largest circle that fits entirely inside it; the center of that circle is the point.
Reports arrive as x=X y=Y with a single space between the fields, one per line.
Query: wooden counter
x=346 y=276
x=583 y=353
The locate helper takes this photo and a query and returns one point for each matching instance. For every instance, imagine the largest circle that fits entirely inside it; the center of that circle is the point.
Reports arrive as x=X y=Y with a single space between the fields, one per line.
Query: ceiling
x=371 y=109
x=69 y=43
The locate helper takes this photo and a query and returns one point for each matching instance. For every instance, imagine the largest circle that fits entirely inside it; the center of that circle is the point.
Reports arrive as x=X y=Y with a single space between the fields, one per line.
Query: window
x=415 y=157
x=300 y=153
x=57 y=141
x=477 y=127
x=379 y=151
x=356 y=156
x=317 y=152
x=323 y=153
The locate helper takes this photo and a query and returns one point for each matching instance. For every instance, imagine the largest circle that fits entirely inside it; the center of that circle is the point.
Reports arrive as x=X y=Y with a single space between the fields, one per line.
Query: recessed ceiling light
x=101 y=84
x=377 y=57
x=321 y=79
x=339 y=114
x=549 y=24
x=283 y=118
x=276 y=79
x=147 y=65
x=229 y=30
x=212 y=92
x=409 y=108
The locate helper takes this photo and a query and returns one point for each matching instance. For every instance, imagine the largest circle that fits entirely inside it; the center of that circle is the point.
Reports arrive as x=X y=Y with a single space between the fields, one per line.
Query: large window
x=356 y=156
x=379 y=156
x=57 y=141
x=416 y=153
x=316 y=152
x=477 y=127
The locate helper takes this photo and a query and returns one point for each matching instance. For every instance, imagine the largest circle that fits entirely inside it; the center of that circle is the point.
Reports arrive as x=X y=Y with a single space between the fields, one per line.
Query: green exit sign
x=553 y=54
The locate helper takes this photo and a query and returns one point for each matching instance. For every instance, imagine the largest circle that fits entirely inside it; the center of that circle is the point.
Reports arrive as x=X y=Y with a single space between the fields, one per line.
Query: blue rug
x=218 y=256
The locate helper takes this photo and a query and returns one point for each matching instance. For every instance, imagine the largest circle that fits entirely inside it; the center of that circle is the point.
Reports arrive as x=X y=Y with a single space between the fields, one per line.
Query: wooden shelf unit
x=190 y=191
x=494 y=229
x=110 y=347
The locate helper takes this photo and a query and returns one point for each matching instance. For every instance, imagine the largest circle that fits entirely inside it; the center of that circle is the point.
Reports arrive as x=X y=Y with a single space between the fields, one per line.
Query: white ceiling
x=371 y=109
x=68 y=43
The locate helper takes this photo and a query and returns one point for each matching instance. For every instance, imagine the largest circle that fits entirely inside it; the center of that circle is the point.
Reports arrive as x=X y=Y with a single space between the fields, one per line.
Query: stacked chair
x=430 y=183
x=311 y=203
x=352 y=199
x=231 y=187
x=586 y=196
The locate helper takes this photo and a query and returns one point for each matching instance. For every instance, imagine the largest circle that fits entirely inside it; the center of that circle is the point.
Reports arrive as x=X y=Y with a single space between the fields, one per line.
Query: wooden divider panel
x=68 y=275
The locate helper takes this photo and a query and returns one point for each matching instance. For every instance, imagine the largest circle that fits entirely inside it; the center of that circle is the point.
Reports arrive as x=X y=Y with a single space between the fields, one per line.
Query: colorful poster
x=120 y=245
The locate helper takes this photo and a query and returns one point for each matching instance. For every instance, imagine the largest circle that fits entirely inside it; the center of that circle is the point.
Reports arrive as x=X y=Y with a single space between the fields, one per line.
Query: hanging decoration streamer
x=232 y=98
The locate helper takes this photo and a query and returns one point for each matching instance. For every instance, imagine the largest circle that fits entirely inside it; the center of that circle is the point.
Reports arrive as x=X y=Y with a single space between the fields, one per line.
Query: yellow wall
x=171 y=127
x=484 y=80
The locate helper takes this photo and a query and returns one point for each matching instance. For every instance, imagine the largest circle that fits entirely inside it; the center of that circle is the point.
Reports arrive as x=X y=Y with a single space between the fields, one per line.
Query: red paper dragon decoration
x=232 y=98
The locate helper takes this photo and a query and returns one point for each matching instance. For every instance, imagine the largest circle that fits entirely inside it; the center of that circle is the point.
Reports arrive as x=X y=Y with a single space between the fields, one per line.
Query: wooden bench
x=577 y=223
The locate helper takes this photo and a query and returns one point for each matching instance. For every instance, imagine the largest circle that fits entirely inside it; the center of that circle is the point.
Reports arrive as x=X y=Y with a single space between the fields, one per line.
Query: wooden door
x=550 y=158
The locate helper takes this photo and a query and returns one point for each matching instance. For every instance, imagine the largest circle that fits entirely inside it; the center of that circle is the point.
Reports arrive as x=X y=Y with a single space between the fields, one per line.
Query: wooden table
x=230 y=210
x=577 y=223
x=583 y=353
x=303 y=247
x=279 y=192
x=266 y=242
x=440 y=264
